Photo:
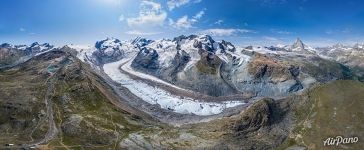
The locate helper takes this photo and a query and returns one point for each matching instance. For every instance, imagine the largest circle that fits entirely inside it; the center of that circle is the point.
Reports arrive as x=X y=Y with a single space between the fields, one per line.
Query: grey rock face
x=146 y=60
x=14 y=54
x=141 y=42
x=9 y=56
x=179 y=62
x=72 y=125
x=135 y=141
x=224 y=45
x=296 y=87
x=298 y=44
x=108 y=50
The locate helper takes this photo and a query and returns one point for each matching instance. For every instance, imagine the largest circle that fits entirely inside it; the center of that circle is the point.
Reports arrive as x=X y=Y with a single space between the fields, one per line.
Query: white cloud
x=226 y=32
x=172 y=4
x=219 y=22
x=137 y=32
x=182 y=23
x=151 y=15
x=346 y=30
x=280 y=31
x=329 y=32
x=185 y=22
x=199 y=14
x=269 y=38
x=197 y=1
x=338 y=31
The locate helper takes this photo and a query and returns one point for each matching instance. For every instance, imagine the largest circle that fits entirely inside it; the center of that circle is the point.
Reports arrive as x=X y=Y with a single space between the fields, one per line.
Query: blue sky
x=244 y=22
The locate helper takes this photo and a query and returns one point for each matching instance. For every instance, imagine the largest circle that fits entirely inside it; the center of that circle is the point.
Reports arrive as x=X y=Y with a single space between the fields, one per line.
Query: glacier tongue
x=166 y=100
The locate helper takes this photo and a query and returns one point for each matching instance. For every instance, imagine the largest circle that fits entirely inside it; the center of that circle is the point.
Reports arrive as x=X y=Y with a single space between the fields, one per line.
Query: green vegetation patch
x=336 y=110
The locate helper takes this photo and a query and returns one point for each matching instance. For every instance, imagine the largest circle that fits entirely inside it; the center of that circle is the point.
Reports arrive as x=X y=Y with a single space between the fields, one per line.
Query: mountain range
x=200 y=64
x=189 y=92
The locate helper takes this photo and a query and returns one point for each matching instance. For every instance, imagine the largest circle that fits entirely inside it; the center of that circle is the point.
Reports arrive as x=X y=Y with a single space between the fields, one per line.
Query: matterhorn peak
x=298 y=45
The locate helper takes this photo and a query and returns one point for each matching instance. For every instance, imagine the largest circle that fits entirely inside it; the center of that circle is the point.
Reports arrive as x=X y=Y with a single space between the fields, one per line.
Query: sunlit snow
x=154 y=95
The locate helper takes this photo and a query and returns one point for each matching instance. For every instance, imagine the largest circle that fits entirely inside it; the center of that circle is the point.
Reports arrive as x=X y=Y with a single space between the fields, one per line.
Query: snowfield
x=154 y=95
x=127 y=68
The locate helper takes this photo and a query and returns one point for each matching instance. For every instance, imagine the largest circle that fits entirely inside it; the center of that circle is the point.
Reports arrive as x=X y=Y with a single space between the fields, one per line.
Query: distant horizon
x=242 y=22
x=236 y=44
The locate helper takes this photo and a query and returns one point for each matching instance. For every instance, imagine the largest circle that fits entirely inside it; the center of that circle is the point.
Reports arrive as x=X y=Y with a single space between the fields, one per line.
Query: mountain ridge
x=90 y=98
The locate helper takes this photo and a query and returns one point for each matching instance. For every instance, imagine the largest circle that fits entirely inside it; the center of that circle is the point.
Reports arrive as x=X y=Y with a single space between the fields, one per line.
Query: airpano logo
x=340 y=140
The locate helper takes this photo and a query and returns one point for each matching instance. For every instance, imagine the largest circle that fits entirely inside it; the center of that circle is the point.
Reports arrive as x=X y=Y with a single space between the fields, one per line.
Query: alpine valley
x=189 y=92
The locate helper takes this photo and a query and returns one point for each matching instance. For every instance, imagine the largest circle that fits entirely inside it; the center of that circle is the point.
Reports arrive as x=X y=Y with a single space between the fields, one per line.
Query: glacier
x=166 y=100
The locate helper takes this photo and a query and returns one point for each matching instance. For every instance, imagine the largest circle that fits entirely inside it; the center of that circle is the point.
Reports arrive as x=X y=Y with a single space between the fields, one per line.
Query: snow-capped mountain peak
x=6 y=45
x=38 y=48
x=35 y=44
x=108 y=43
x=338 y=45
x=359 y=46
x=298 y=45
x=140 y=42
x=32 y=48
x=281 y=45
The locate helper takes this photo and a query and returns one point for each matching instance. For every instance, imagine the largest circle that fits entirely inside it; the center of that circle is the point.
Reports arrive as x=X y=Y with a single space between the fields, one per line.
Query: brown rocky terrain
x=274 y=70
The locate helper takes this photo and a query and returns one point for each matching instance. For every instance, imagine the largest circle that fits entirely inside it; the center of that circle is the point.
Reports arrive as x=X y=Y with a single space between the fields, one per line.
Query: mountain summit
x=298 y=45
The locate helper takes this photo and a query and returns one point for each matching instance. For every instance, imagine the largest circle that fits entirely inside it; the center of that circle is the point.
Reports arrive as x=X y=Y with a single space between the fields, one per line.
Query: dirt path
x=52 y=130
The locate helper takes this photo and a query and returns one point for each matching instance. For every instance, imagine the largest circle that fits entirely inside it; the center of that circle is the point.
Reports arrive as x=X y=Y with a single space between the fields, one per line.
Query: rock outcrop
x=108 y=50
